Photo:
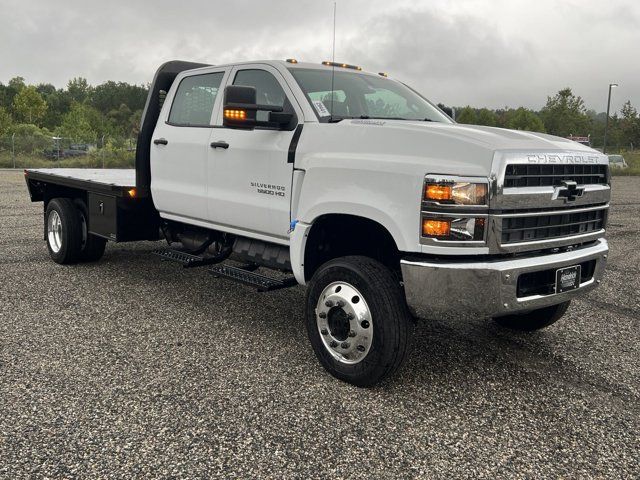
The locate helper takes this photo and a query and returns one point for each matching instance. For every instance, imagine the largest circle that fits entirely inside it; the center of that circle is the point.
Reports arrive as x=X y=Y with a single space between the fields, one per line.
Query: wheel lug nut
x=364 y=324
x=360 y=348
x=344 y=344
x=324 y=331
x=340 y=303
x=350 y=316
x=329 y=303
x=322 y=315
x=333 y=344
x=352 y=334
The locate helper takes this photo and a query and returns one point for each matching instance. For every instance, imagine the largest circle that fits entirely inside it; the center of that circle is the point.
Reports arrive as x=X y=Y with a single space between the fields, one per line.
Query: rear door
x=250 y=184
x=180 y=146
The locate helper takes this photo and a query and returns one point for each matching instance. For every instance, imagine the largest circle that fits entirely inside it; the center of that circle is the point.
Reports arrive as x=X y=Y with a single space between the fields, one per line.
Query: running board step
x=261 y=282
x=187 y=260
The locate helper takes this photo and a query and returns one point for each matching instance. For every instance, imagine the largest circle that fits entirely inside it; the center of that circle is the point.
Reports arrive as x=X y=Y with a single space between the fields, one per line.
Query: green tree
x=78 y=89
x=31 y=139
x=524 y=119
x=565 y=114
x=467 y=115
x=5 y=121
x=29 y=106
x=630 y=124
x=487 y=117
x=76 y=124
x=110 y=95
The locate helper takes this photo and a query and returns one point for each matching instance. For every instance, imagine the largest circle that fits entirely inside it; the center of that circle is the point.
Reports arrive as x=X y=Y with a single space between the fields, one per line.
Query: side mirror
x=240 y=110
x=239 y=107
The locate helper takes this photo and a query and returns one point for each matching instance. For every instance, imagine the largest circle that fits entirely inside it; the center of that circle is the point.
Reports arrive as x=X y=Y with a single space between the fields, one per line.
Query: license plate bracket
x=568 y=278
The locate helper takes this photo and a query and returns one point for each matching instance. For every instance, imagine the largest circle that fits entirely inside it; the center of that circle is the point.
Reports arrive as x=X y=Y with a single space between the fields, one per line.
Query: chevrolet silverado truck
x=353 y=185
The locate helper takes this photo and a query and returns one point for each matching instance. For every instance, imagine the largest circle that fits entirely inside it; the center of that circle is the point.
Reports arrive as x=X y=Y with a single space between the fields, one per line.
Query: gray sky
x=483 y=53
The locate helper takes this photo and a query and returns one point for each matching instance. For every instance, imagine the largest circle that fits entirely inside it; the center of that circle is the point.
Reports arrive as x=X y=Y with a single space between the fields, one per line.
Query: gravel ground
x=133 y=368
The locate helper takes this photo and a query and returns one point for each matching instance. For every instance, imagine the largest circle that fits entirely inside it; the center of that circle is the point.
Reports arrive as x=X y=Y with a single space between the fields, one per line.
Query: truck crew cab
x=352 y=184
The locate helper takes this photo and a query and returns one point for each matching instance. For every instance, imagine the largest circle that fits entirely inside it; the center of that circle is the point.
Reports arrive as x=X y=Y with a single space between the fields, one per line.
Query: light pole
x=13 y=148
x=606 y=125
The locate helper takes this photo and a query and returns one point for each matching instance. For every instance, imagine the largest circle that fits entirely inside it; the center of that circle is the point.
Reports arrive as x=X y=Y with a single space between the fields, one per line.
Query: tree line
x=564 y=114
x=81 y=112
x=86 y=113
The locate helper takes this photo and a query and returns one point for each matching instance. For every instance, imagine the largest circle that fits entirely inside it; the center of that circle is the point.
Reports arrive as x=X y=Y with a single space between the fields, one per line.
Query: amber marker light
x=435 y=228
x=235 y=114
x=437 y=192
x=132 y=192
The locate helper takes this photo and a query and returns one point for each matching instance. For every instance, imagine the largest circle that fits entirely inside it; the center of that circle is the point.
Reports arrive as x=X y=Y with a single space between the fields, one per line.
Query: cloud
x=491 y=53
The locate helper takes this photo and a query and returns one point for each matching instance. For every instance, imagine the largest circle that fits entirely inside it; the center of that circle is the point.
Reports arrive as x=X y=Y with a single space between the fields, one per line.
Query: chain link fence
x=36 y=150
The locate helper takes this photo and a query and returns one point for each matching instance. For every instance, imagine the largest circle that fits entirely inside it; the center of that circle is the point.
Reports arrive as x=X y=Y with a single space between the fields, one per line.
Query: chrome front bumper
x=489 y=287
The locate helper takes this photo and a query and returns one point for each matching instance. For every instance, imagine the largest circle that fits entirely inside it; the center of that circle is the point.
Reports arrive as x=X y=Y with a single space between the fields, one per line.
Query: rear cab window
x=194 y=100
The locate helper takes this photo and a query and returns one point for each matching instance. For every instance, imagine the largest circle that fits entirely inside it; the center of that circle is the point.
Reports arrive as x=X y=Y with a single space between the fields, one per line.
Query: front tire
x=534 y=320
x=357 y=320
x=63 y=231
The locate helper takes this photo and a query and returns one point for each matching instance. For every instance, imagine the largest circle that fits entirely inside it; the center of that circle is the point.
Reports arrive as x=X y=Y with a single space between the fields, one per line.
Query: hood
x=428 y=147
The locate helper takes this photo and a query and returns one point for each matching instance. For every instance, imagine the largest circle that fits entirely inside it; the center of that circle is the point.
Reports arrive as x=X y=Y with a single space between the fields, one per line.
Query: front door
x=180 y=147
x=250 y=182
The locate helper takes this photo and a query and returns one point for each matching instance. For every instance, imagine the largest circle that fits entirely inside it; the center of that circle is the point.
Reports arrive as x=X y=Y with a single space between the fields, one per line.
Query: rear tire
x=355 y=304
x=92 y=247
x=534 y=320
x=63 y=231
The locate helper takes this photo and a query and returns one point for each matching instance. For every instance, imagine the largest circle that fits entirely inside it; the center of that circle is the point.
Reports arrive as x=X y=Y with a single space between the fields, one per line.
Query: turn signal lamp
x=234 y=114
x=435 y=228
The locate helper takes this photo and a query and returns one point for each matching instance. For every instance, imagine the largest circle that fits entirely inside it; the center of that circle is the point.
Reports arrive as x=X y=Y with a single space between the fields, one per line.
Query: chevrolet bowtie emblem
x=569 y=191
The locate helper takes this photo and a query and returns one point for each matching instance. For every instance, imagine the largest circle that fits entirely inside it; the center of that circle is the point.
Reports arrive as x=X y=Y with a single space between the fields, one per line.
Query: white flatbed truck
x=354 y=185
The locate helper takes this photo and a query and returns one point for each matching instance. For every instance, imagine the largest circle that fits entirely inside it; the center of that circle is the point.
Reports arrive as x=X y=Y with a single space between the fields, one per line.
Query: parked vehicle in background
x=581 y=140
x=617 y=161
x=351 y=184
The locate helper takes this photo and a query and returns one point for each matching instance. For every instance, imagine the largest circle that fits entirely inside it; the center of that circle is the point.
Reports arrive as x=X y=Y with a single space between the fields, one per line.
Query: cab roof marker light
x=291 y=60
x=341 y=65
x=383 y=74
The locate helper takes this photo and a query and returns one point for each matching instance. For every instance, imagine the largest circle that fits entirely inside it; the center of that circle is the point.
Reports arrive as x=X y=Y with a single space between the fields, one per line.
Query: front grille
x=537 y=175
x=543 y=227
x=543 y=282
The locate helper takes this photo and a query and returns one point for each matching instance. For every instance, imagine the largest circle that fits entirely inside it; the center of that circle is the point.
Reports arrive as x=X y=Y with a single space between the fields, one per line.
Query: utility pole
x=606 y=125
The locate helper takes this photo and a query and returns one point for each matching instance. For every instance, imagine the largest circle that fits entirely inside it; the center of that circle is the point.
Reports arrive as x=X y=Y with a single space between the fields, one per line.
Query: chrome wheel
x=344 y=322
x=54 y=231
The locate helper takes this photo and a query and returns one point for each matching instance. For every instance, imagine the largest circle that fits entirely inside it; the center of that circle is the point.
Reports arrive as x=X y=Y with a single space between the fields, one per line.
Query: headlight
x=456 y=193
x=464 y=228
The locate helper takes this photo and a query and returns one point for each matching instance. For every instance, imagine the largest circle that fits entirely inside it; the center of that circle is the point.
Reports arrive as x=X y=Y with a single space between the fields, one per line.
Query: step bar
x=261 y=282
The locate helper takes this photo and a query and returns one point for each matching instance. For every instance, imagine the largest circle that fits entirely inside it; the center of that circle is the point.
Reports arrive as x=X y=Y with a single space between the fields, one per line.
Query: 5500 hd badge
x=268 y=189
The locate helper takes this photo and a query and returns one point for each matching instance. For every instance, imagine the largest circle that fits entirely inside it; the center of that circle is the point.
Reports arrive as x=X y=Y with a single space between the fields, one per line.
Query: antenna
x=333 y=61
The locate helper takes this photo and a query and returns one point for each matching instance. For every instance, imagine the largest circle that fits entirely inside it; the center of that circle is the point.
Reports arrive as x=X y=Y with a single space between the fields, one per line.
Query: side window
x=268 y=90
x=193 y=102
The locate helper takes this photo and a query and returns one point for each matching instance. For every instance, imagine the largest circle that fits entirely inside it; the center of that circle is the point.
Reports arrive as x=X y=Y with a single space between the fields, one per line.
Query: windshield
x=615 y=158
x=356 y=95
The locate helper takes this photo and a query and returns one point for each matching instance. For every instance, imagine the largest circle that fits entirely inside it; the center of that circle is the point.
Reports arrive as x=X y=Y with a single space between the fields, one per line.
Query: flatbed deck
x=114 y=181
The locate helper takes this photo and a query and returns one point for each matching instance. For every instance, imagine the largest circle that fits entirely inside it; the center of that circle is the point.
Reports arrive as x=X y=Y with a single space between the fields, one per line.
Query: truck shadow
x=473 y=350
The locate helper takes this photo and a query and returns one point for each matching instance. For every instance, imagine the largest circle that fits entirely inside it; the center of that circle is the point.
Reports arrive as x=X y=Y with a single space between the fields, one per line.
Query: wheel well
x=338 y=235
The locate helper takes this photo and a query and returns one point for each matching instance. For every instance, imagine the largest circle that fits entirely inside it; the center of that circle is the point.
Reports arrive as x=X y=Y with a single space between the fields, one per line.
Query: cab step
x=187 y=260
x=242 y=275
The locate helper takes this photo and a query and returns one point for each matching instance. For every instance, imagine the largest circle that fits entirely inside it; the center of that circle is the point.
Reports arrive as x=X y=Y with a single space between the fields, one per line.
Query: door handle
x=220 y=144
x=160 y=141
